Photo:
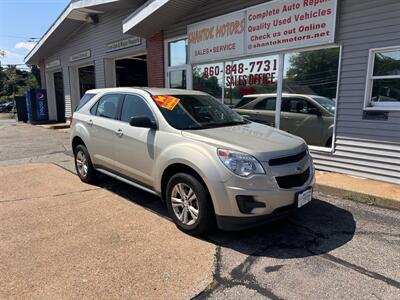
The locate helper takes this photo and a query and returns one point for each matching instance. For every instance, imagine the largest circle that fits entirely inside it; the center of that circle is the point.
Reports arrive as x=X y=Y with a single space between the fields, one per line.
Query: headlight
x=241 y=164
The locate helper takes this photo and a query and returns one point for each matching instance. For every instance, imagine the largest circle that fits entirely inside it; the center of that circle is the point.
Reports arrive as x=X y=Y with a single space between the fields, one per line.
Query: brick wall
x=155 y=60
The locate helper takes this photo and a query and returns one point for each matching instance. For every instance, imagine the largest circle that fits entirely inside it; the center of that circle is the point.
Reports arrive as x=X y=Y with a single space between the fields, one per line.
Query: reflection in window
x=177 y=53
x=177 y=79
x=309 y=99
x=209 y=79
x=250 y=76
x=386 y=88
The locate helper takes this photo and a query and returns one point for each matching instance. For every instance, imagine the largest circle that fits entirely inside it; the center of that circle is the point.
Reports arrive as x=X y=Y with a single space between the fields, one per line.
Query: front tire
x=189 y=204
x=83 y=165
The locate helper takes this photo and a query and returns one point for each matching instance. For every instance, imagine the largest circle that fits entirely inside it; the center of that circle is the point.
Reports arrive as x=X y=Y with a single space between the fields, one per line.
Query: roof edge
x=142 y=13
x=64 y=14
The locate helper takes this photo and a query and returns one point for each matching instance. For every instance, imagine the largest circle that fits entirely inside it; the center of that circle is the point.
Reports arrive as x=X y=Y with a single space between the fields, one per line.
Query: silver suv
x=208 y=164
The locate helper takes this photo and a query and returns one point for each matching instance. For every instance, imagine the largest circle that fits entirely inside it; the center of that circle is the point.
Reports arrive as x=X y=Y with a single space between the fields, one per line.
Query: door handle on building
x=119 y=133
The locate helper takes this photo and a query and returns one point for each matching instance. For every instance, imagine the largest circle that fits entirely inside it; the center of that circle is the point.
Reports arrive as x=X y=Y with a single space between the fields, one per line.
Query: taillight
x=70 y=119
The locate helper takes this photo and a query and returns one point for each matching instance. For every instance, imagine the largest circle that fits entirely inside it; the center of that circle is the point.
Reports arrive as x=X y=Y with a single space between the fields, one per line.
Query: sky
x=21 y=20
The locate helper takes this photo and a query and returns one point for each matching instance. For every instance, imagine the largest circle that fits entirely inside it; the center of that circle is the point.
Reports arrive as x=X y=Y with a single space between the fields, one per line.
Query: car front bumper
x=272 y=202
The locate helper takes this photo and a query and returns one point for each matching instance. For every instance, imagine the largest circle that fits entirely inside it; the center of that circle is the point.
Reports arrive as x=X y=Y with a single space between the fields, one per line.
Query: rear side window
x=135 y=106
x=244 y=101
x=85 y=99
x=107 y=106
x=266 y=104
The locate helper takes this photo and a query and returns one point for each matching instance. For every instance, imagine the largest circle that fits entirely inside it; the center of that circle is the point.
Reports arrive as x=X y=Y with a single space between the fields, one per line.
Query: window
x=177 y=51
x=107 y=106
x=135 y=106
x=309 y=80
x=266 y=104
x=209 y=78
x=178 y=71
x=383 y=83
x=177 y=79
x=85 y=99
x=296 y=105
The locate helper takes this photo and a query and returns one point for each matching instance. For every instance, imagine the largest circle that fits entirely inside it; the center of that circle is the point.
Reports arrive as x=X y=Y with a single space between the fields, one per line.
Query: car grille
x=291 y=181
x=287 y=159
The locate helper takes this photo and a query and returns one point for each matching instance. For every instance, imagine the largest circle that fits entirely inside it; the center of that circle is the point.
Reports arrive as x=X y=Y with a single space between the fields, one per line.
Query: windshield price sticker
x=167 y=102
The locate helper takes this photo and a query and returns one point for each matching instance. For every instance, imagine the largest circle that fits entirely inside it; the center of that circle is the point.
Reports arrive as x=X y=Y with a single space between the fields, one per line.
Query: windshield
x=198 y=112
x=326 y=103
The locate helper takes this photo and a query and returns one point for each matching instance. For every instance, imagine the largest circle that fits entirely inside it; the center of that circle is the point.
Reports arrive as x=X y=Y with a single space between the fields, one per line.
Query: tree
x=316 y=70
x=209 y=84
x=14 y=82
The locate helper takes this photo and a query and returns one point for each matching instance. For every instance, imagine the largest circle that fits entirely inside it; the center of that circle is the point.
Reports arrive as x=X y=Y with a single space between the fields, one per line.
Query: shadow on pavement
x=317 y=228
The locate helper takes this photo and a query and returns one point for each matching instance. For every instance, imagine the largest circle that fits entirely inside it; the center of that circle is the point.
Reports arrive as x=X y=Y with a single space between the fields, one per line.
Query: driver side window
x=135 y=106
x=296 y=105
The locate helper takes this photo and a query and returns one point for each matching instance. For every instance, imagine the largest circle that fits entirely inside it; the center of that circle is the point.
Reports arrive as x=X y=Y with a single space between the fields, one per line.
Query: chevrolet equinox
x=209 y=164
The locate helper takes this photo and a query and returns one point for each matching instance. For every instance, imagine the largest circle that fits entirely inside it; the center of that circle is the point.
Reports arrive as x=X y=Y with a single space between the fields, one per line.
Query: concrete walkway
x=363 y=190
x=63 y=239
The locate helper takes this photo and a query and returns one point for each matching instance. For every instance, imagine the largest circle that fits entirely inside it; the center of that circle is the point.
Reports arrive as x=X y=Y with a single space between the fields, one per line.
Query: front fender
x=201 y=158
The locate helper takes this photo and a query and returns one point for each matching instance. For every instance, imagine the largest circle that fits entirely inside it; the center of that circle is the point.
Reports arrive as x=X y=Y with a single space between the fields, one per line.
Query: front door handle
x=90 y=122
x=119 y=133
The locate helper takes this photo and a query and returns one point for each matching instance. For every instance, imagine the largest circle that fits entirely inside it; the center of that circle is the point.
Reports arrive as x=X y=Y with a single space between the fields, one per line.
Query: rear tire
x=83 y=165
x=189 y=204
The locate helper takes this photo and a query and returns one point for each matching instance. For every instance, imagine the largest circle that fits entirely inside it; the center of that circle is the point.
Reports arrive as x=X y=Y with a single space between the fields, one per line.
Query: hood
x=261 y=141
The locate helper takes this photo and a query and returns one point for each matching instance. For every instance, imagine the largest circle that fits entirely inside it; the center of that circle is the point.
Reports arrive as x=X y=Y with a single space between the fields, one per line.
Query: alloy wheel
x=185 y=204
x=82 y=164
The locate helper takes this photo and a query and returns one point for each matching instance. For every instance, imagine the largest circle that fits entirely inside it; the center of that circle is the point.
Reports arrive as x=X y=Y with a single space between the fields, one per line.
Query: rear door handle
x=90 y=122
x=119 y=133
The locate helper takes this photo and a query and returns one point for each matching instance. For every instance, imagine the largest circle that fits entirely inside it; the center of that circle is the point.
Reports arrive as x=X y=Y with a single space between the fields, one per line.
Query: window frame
x=379 y=106
x=184 y=67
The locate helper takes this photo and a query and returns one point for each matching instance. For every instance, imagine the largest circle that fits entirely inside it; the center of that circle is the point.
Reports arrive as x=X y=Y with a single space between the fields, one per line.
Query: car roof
x=274 y=95
x=151 y=90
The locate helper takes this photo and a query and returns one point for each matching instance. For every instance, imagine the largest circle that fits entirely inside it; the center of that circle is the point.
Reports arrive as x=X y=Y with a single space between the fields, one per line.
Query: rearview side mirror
x=143 y=121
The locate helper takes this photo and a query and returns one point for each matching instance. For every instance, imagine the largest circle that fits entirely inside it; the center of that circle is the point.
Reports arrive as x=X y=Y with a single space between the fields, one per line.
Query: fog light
x=247 y=203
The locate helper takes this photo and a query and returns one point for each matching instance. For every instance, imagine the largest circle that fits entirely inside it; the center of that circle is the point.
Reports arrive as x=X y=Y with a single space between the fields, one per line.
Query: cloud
x=25 y=45
x=9 y=54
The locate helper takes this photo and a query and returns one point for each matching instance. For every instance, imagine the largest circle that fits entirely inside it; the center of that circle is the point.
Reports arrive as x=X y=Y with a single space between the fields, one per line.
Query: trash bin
x=36 y=104
x=20 y=103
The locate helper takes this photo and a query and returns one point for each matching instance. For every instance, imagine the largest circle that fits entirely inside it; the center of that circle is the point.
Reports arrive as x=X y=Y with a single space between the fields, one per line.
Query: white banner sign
x=122 y=44
x=80 y=55
x=217 y=38
x=54 y=63
x=290 y=24
x=271 y=27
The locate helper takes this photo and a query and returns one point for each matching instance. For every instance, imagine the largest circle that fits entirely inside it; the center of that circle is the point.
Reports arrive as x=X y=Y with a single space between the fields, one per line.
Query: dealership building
x=325 y=70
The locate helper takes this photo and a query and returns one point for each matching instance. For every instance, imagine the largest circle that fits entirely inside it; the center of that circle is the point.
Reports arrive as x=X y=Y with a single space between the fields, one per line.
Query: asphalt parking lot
x=60 y=238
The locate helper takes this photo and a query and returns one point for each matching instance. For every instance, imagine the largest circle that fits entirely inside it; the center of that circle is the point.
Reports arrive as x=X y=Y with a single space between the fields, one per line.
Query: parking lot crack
x=48 y=196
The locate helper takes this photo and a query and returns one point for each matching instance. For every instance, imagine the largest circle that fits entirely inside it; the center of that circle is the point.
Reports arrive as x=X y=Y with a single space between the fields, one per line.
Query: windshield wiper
x=225 y=124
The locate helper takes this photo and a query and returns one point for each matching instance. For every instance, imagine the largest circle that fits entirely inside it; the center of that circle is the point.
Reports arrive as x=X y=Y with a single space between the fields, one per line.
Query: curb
x=358 y=197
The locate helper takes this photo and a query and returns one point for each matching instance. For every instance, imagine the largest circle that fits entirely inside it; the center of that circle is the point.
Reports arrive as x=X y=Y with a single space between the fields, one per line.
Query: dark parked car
x=6 y=107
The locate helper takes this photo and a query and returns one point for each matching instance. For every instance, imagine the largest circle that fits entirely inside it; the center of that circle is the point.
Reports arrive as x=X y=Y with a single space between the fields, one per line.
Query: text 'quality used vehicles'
x=204 y=160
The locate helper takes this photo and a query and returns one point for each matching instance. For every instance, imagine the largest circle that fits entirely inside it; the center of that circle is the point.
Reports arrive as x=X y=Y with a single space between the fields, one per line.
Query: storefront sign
x=122 y=44
x=53 y=63
x=80 y=55
x=271 y=27
x=290 y=24
x=217 y=38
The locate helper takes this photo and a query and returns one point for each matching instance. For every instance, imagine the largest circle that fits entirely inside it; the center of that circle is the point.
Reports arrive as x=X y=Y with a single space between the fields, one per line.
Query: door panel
x=135 y=149
x=296 y=120
x=103 y=128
